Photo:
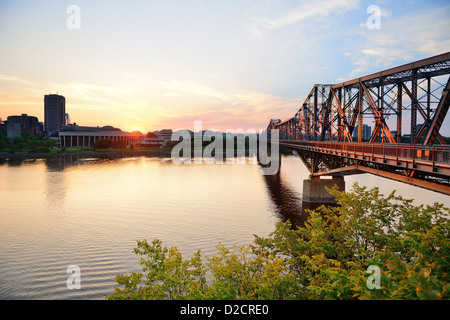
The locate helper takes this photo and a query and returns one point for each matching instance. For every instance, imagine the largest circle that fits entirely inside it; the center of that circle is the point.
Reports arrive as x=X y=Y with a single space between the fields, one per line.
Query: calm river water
x=90 y=212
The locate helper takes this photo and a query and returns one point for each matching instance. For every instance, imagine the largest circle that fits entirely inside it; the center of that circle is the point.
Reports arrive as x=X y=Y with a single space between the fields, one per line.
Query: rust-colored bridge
x=332 y=131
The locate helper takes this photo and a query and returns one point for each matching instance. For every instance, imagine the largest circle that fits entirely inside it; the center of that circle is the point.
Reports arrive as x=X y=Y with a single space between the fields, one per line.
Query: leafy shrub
x=41 y=149
x=102 y=144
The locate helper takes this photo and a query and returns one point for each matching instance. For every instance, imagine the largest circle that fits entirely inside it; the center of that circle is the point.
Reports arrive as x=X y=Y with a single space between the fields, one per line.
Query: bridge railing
x=439 y=154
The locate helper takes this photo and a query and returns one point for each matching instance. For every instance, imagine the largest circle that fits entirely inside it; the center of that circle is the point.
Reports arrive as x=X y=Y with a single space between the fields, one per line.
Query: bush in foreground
x=328 y=258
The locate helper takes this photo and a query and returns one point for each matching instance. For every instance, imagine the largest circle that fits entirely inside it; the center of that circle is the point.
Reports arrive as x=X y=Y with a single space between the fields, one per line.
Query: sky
x=232 y=64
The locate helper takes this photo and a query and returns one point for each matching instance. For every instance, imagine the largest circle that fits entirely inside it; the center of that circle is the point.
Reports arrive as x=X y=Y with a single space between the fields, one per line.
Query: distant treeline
x=33 y=143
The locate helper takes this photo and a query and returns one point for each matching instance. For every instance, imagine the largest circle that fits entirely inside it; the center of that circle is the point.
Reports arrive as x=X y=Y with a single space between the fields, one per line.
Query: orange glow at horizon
x=144 y=115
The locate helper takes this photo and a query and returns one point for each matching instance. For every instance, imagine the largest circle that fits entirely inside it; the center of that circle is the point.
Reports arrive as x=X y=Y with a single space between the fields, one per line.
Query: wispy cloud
x=227 y=108
x=154 y=104
x=305 y=11
x=18 y=92
x=16 y=80
x=401 y=40
x=95 y=93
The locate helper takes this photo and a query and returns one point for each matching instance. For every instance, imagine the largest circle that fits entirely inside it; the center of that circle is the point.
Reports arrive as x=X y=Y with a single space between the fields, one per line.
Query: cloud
x=100 y=93
x=193 y=88
x=18 y=95
x=230 y=109
x=157 y=104
x=16 y=80
x=305 y=11
x=401 y=40
x=162 y=103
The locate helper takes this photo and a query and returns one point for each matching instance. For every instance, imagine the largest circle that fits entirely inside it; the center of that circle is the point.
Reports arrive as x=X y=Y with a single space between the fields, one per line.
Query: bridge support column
x=314 y=189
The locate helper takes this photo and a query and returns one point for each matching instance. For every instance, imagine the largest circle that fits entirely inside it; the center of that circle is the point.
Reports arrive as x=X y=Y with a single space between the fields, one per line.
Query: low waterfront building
x=81 y=136
x=158 y=139
x=165 y=134
x=24 y=124
x=152 y=142
x=13 y=130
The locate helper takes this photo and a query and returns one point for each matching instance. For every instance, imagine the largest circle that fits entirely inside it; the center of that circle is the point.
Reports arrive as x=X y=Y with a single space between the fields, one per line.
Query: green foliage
x=26 y=144
x=233 y=276
x=327 y=258
x=102 y=144
x=168 y=276
x=3 y=141
x=40 y=149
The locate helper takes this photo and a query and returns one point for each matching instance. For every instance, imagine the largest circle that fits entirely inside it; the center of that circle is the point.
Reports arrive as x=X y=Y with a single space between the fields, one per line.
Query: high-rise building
x=367 y=132
x=54 y=112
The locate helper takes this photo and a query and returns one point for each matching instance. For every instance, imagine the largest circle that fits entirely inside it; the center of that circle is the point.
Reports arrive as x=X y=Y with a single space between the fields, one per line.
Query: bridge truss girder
x=415 y=95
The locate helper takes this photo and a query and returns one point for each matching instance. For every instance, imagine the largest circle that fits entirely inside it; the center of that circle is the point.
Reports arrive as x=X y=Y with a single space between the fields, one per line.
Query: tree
x=167 y=276
x=327 y=258
x=102 y=144
x=3 y=140
x=332 y=253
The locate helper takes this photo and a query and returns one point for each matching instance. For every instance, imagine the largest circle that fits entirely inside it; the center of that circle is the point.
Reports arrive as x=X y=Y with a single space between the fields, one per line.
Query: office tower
x=54 y=112
x=367 y=132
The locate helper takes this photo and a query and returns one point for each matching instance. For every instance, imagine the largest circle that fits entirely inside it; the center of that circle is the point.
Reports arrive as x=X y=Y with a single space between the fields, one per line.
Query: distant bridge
x=330 y=130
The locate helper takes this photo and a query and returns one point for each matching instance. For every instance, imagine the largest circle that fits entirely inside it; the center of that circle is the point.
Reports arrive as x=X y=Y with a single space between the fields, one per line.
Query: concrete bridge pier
x=314 y=189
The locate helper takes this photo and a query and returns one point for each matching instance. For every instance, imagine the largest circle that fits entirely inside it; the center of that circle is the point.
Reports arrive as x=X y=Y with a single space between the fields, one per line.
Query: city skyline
x=148 y=66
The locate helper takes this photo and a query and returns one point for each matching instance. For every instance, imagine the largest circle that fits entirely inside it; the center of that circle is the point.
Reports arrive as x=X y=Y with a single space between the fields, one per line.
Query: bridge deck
x=375 y=158
x=427 y=159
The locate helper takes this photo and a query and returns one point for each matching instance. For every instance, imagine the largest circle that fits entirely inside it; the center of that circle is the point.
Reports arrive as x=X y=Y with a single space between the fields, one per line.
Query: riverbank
x=87 y=153
x=116 y=152
x=113 y=153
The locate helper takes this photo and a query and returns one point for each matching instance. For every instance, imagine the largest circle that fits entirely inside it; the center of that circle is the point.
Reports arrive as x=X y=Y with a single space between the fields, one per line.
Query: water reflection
x=12 y=162
x=288 y=203
x=53 y=163
x=55 y=190
x=59 y=162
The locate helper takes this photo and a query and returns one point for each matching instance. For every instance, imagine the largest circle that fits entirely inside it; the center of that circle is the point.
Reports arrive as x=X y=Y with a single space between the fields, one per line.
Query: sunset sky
x=150 y=65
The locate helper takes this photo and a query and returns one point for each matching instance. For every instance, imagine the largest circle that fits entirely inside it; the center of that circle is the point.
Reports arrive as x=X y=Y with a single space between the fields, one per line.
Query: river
x=89 y=212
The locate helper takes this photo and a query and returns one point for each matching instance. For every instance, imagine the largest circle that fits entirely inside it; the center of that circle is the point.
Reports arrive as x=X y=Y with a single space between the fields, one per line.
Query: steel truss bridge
x=405 y=108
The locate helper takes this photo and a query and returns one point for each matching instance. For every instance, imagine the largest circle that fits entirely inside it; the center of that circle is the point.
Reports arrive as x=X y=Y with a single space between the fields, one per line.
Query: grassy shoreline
x=96 y=153
x=81 y=152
